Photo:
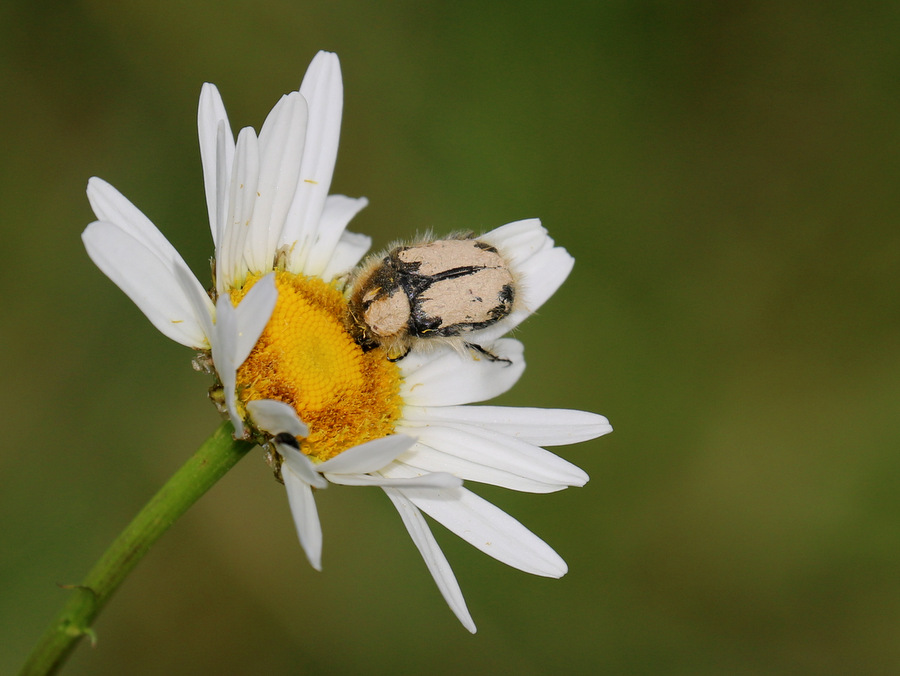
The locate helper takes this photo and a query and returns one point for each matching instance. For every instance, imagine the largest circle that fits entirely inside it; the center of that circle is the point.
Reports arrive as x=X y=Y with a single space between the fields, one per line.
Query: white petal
x=230 y=263
x=199 y=300
x=224 y=349
x=112 y=206
x=428 y=480
x=519 y=240
x=216 y=155
x=443 y=377
x=235 y=333
x=542 y=275
x=276 y=417
x=348 y=252
x=423 y=458
x=300 y=465
x=494 y=449
x=434 y=558
x=539 y=278
x=368 y=457
x=253 y=314
x=281 y=142
x=148 y=278
x=323 y=91
x=306 y=518
x=538 y=426
x=488 y=528
x=338 y=211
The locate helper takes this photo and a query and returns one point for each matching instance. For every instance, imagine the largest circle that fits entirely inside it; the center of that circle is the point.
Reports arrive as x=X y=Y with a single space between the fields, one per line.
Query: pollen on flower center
x=306 y=358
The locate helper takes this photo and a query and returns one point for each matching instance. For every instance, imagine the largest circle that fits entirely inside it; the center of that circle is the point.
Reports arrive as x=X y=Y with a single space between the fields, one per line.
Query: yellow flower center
x=306 y=358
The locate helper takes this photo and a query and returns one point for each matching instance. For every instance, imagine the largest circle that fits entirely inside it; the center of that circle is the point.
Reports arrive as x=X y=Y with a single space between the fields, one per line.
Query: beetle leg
x=487 y=353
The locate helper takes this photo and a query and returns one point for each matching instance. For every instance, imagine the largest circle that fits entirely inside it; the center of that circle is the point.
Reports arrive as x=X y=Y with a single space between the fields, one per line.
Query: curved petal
x=542 y=275
x=423 y=458
x=300 y=465
x=323 y=90
x=281 y=142
x=428 y=480
x=112 y=206
x=519 y=240
x=434 y=558
x=148 y=278
x=494 y=449
x=235 y=333
x=216 y=155
x=224 y=349
x=338 y=212
x=368 y=457
x=253 y=314
x=204 y=309
x=231 y=267
x=306 y=517
x=443 y=377
x=347 y=253
x=276 y=417
x=486 y=527
x=539 y=278
x=538 y=426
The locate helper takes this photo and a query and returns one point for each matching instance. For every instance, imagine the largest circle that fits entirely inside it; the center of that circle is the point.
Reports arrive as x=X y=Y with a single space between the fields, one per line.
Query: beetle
x=431 y=292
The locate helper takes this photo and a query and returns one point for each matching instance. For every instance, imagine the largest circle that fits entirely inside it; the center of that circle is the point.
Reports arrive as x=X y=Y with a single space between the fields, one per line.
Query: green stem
x=209 y=464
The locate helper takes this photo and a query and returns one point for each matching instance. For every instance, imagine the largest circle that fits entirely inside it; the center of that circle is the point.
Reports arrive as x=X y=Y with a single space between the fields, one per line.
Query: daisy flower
x=273 y=331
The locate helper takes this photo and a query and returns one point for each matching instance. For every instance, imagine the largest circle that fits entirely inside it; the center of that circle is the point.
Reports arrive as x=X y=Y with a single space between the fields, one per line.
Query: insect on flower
x=437 y=291
x=355 y=375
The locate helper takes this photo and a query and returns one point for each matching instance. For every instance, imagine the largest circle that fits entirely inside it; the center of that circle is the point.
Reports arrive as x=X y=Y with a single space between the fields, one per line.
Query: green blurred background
x=726 y=175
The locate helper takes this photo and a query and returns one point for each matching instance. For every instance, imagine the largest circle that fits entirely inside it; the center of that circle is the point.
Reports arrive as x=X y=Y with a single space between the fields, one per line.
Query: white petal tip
x=556 y=571
x=276 y=417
